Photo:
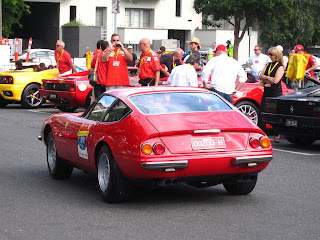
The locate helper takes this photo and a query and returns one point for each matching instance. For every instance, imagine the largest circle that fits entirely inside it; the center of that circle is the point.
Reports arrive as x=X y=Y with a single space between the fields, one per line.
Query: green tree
x=303 y=26
x=247 y=11
x=12 y=11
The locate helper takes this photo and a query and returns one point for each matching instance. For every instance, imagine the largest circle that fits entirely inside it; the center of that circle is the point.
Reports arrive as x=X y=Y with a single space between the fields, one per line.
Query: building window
x=100 y=16
x=138 y=18
x=73 y=13
x=178 y=8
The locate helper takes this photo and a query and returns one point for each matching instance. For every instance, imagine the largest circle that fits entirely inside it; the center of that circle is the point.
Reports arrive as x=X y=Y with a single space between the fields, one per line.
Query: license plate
x=291 y=123
x=52 y=96
x=207 y=143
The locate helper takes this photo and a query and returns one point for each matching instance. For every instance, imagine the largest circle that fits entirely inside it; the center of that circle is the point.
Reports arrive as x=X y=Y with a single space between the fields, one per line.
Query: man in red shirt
x=100 y=86
x=312 y=63
x=63 y=59
x=149 y=64
x=116 y=59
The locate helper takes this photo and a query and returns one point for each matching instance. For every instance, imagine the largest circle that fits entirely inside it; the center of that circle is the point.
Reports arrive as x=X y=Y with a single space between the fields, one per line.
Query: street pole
x=249 y=34
x=115 y=23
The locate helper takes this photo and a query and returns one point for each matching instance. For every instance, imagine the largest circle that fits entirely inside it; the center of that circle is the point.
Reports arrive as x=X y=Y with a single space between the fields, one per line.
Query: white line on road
x=39 y=111
x=306 y=154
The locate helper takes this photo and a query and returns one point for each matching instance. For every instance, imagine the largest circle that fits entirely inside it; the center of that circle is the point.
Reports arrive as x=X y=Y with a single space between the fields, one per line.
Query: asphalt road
x=284 y=204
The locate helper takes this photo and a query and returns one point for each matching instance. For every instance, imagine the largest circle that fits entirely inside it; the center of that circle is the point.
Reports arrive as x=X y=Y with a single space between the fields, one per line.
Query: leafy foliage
x=265 y=12
x=12 y=11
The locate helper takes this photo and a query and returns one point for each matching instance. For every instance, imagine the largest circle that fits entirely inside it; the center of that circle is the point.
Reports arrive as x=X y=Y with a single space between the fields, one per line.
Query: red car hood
x=226 y=130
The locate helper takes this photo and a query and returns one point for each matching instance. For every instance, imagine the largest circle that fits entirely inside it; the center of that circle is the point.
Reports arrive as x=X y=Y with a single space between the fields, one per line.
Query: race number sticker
x=208 y=143
x=82 y=142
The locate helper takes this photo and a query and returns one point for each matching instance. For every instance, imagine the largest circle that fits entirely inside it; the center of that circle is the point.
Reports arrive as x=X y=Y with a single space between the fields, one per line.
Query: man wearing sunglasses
x=257 y=62
x=116 y=58
x=63 y=59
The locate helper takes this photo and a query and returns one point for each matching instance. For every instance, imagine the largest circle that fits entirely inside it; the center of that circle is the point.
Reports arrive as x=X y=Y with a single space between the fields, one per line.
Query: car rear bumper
x=305 y=126
x=61 y=98
x=194 y=165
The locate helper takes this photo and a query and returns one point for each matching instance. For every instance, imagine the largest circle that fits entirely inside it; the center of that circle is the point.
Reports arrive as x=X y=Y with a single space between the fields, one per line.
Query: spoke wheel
x=58 y=169
x=113 y=186
x=250 y=110
x=31 y=97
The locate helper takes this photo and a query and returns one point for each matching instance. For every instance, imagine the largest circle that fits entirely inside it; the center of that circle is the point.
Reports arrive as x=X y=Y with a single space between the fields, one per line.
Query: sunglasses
x=115 y=40
x=256 y=49
x=58 y=45
x=270 y=54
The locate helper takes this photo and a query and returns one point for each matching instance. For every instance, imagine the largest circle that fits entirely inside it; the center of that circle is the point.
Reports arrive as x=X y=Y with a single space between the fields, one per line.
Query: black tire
x=67 y=109
x=3 y=103
x=250 y=109
x=301 y=141
x=58 y=169
x=88 y=99
x=113 y=187
x=31 y=97
x=241 y=186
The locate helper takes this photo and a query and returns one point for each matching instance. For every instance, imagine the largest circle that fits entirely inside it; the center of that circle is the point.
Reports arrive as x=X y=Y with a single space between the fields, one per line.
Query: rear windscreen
x=179 y=102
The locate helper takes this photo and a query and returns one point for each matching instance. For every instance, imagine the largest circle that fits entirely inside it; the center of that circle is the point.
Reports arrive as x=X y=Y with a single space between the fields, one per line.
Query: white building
x=154 y=19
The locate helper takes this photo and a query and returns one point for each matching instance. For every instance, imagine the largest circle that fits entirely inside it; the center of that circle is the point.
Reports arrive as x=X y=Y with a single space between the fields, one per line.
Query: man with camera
x=116 y=58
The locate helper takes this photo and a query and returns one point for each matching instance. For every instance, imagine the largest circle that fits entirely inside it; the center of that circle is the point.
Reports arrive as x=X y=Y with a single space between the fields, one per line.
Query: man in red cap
x=224 y=71
x=312 y=63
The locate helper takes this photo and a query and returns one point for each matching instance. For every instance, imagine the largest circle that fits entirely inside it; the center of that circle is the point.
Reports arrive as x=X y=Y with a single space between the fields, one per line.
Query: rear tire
x=58 y=169
x=301 y=141
x=241 y=186
x=30 y=97
x=113 y=187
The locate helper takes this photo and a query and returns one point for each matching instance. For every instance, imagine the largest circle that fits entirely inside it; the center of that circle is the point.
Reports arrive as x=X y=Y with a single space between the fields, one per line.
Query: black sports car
x=296 y=115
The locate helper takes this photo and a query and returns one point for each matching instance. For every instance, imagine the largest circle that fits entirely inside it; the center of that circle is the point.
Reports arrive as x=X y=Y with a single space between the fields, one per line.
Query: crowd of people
x=111 y=62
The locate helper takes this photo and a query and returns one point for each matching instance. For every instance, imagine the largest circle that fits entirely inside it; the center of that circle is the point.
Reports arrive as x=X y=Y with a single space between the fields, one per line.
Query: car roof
x=126 y=92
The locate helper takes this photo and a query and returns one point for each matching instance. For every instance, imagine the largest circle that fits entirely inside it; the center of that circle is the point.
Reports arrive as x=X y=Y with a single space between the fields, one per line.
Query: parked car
x=296 y=115
x=163 y=134
x=38 y=55
x=71 y=92
x=23 y=86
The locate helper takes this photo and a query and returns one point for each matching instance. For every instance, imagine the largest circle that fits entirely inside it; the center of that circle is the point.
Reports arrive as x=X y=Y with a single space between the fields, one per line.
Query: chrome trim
x=252 y=159
x=164 y=165
x=207 y=131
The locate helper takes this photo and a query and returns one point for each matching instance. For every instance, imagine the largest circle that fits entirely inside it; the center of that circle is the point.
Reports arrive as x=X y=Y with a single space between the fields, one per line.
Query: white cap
x=280 y=47
x=129 y=46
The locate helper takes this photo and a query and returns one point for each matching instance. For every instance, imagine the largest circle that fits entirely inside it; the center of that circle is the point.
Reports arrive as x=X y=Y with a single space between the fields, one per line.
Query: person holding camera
x=116 y=58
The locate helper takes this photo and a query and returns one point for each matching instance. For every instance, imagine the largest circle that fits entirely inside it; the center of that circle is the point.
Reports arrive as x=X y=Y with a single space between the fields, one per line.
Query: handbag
x=93 y=75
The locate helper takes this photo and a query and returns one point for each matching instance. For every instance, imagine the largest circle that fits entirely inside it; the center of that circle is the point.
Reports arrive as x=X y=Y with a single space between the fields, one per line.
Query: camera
x=118 y=45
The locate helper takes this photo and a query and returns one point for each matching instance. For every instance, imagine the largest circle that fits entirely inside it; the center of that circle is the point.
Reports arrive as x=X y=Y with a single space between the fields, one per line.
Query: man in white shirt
x=257 y=62
x=186 y=75
x=224 y=71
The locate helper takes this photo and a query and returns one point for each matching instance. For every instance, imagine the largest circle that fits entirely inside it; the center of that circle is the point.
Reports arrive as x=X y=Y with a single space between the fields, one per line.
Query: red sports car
x=70 y=92
x=159 y=134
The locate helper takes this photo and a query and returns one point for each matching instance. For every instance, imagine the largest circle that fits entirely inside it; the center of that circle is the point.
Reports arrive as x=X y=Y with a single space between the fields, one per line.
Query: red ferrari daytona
x=159 y=134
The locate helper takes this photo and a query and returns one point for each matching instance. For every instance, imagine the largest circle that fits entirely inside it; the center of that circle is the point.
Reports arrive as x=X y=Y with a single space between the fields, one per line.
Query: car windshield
x=179 y=102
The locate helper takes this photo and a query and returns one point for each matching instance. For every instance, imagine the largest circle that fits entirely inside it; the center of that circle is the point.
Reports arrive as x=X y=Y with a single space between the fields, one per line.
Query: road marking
x=42 y=112
x=306 y=154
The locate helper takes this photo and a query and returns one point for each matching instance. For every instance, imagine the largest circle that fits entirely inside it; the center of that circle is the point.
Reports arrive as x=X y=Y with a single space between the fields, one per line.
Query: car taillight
x=316 y=111
x=146 y=149
x=271 y=106
x=71 y=87
x=157 y=148
x=254 y=142
x=6 y=80
x=263 y=142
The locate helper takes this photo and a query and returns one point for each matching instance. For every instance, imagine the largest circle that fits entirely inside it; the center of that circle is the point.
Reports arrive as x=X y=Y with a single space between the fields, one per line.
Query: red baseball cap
x=298 y=48
x=221 y=48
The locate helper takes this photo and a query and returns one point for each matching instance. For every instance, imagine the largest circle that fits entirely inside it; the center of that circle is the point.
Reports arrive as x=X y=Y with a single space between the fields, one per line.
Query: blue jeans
x=228 y=97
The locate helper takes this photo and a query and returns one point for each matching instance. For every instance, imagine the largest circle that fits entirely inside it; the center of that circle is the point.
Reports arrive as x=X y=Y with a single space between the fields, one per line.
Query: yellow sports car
x=23 y=86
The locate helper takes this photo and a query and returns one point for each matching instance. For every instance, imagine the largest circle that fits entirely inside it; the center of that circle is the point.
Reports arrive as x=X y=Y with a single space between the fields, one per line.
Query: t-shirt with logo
x=258 y=62
x=149 y=64
x=117 y=70
x=63 y=60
